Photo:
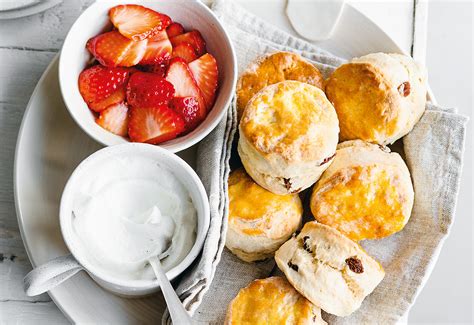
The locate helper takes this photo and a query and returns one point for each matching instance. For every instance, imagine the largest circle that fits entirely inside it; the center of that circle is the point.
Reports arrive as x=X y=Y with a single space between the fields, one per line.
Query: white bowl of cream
x=126 y=203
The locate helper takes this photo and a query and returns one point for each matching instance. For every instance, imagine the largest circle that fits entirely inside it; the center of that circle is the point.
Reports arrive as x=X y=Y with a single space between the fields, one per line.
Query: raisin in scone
x=329 y=269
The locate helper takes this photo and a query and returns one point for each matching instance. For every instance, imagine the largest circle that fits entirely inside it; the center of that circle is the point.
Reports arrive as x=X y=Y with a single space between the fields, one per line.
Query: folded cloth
x=433 y=152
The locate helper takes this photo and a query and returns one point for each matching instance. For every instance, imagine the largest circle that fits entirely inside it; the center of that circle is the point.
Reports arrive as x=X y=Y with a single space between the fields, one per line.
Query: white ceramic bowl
x=183 y=172
x=193 y=15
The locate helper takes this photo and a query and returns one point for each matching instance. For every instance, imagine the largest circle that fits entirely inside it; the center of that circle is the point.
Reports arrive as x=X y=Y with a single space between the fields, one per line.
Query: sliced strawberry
x=159 y=69
x=184 y=51
x=188 y=108
x=184 y=84
x=154 y=124
x=137 y=22
x=148 y=90
x=101 y=86
x=205 y=73
x=158 y=49
x=174 y=29
x=194 y=38
x=115 y=119
x=112 y=49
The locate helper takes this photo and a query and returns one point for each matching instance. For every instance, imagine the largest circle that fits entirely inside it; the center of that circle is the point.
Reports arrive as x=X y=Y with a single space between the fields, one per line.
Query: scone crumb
x=355 y=265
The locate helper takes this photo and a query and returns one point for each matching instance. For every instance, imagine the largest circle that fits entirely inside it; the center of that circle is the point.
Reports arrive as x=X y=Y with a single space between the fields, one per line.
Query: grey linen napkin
x=433 y=152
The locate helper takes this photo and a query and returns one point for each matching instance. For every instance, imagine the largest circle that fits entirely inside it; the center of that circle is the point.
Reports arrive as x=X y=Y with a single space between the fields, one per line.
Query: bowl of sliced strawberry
x=158 y=72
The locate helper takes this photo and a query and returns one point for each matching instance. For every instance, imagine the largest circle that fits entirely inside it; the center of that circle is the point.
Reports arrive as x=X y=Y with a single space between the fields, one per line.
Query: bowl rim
x=191 y=138
x=133 y=149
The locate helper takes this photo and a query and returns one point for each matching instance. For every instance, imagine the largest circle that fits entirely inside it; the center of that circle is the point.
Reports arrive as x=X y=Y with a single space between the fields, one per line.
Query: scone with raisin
x=378 y=97
x=272 y=301
x=288 y=136
x=271 y=69
x=366 y=193
x=329 y=269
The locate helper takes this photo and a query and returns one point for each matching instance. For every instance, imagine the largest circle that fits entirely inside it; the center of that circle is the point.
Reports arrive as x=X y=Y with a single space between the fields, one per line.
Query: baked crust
x=378 y=97
x=271 y=301
x=288 y=133
x=329 y=269
x=259 y=220
x=273 y=68
x=366 y=193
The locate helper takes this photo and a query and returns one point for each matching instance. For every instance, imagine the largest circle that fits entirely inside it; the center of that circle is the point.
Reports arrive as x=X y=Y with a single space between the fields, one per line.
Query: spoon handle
x=178 y=314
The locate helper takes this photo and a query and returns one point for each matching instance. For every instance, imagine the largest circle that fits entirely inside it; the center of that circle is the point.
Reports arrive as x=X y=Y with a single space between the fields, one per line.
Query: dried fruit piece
x=355 y=265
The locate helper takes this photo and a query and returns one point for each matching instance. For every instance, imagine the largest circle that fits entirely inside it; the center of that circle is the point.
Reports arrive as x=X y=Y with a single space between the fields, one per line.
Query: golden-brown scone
x=259 y=221
x=378 y=97
x=329 y=269
x=366 y=193
x=271 y=301
x=273 y=68
x=288 y=136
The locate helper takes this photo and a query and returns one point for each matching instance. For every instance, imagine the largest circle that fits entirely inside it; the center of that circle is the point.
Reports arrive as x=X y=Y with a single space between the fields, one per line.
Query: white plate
x=50 y=145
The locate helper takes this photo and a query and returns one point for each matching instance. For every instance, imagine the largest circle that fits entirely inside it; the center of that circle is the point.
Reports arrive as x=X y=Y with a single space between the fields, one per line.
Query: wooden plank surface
x=27 y=45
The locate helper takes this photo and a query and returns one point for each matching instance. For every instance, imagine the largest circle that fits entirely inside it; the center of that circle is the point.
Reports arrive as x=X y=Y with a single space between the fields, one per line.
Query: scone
x=259 y=221
x=378 y=97
x=271 y=301
x=288 y=136
x=273 y=68
x=329 y=269
x=366 y=193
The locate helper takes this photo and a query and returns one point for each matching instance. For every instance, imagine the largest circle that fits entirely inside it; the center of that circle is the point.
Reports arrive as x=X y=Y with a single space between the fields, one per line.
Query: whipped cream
x=129 y=209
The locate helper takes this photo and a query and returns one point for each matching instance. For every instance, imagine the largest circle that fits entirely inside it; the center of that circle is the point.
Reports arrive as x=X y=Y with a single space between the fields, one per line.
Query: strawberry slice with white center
x=112 y=49
x=206 y=74
x=154 y=124
x=115 y=119
x=137 y=22
x=101 y=86
x=158 y=49
x=184 y=84
x=184 y=51
x=194 y=38
x=174 y=29
x=188 y=108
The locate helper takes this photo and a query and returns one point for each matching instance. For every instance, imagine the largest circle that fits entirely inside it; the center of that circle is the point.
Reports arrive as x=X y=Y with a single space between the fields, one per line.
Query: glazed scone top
x=273 y=68
x=292 y=120
x=255 y=211
x=378 y=97
x=272 y=301
x=366 y=193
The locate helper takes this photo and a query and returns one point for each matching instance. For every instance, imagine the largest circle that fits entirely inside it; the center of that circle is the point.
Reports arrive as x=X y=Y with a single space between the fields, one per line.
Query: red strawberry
x=154 y=124
x=188 y=108
x=184 y=84
x=159 y=69
x=101 y=86
x=158 y=49
x=148 y=90
x=137 y=22
x=184 y=51
x=205 y=73
x=112 y=49
x=115 y=119
x=174 y=29
x=194 y=38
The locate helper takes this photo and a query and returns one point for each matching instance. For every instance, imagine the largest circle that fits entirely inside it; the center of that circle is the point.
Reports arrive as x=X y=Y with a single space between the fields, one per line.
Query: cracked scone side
x=329 y=269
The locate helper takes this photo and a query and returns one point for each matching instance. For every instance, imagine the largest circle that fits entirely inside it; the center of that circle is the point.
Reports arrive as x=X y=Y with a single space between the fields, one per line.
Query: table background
x=27 y=45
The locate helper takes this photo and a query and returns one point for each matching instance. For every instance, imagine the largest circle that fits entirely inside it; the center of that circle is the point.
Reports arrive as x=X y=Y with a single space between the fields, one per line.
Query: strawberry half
x=194 y=38
x=188 y=108
x=101 y=86
x=154 y=124
x=205 y=73
x=148 y=90
x=184 y=51
x=184 y=84
x=158 y=49
x=112 y=49
x=115 y=119
x=174 y=29
x=137 y=22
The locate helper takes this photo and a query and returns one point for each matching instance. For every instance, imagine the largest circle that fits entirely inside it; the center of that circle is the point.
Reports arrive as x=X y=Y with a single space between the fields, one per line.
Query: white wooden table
x=28 y=44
